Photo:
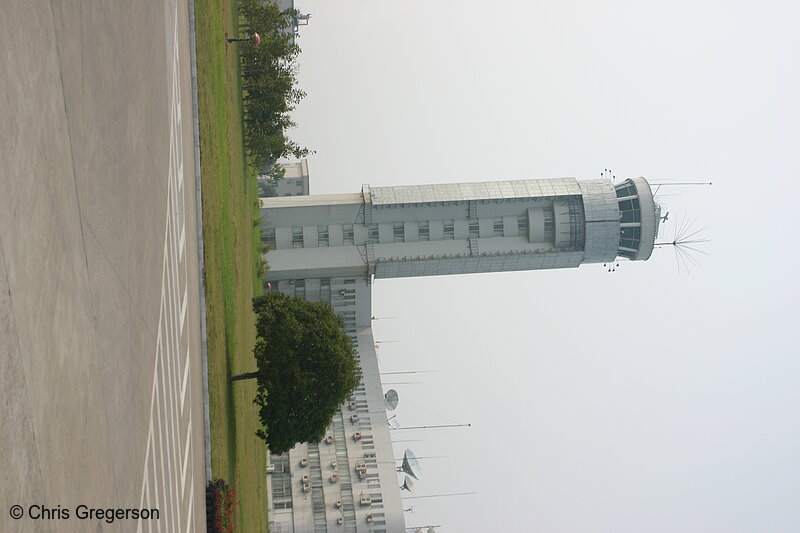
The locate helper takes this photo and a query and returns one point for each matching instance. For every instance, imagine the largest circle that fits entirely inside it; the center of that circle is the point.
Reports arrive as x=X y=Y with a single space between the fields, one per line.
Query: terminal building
x=331 y=248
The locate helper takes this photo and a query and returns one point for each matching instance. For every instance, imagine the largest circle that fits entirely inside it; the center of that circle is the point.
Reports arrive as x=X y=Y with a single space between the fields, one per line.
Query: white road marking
x=168 y=457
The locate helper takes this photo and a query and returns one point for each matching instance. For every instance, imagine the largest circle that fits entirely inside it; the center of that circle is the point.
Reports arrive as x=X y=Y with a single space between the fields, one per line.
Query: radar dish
x=408 y=484
x=393 y=423
x=410 y=464
x=391 y=399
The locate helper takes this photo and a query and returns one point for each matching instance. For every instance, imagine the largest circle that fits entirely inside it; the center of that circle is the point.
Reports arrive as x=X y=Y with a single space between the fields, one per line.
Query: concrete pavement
x=100 y=366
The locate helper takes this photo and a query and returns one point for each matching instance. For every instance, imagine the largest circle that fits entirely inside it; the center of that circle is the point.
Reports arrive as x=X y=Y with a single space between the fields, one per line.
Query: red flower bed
x=220 y=507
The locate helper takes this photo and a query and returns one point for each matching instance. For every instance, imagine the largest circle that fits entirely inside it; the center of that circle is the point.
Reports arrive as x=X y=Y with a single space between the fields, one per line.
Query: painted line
x=168 y=455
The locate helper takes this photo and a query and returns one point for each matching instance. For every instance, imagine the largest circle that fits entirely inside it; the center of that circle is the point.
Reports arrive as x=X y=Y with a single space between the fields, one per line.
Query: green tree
x=269 y=82
x=306 y=369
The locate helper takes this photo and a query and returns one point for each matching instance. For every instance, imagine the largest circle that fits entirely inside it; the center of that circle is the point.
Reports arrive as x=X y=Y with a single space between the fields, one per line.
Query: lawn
x=231 y=262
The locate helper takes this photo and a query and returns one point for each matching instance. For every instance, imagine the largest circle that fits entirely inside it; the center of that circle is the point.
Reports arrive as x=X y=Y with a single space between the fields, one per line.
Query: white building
x=331 y=247
x=294 y=182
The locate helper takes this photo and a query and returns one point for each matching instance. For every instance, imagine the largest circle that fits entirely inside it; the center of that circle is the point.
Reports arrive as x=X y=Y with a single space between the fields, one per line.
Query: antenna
x=434 y=427
x=441 y=495
x=408 y=484
x=685 y=242
x=391 y=399
x=411 y=372
x=665 y=183
x=612 y=266
x=608 y=174
x=410 y=465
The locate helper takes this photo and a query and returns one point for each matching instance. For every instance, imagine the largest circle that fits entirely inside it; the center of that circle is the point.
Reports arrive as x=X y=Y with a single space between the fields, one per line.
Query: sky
x=647 y=399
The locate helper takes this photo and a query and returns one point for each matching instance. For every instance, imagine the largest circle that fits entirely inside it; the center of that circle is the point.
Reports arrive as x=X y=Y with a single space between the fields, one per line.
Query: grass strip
x=231 y=261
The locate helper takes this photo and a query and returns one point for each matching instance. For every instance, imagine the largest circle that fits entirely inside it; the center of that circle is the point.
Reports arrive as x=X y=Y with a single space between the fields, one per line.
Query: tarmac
x=100 y=323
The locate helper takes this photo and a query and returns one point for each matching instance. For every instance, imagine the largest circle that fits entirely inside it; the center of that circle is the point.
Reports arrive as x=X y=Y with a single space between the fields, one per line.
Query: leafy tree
x=306 y=369
x=269 y=82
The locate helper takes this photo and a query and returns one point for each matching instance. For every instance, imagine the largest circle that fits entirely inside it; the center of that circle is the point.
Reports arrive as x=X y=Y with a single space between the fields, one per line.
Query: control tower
x=429 y=230
x=329 y=248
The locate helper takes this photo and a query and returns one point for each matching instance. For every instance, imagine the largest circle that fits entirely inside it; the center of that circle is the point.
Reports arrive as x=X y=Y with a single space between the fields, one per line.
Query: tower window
x=474 y=228
x=297 y=237
x=522 y=225
x=497 y=223
x=347 y=234
x=629 y=210
x=626 y=190
x=373 y=233
x=449 y=230
x=549 y=221
x=322 y=235
x=424 y=231
x=630 y=237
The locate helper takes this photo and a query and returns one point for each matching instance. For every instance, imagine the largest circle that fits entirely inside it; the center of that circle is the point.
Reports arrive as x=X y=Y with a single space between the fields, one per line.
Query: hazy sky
x=641 y=400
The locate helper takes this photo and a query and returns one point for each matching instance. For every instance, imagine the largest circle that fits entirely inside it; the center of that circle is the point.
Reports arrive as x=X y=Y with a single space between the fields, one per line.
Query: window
x=268 y=237
x=522 y=225
x=449 y=230
x=399 y=232
x=497 y=223
x=300 y=288
x=549 y=222
x=424 y=231
x=297 y=237
x=281 y=482
x=373 y=233
x=474 y=228
x=630 y=237
x=347 y=233
x=629 y=210
x=624 y=190
x=322 y=235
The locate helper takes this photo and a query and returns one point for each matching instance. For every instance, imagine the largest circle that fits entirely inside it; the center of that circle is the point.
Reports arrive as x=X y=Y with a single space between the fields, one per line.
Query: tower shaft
x=426 y=230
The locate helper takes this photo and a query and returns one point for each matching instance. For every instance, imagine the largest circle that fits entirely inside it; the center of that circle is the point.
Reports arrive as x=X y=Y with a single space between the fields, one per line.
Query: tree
x=306 y=369
x=269 y=82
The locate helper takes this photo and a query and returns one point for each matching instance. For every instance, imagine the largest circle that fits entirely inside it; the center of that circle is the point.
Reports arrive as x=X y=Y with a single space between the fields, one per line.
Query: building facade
x=331 y=248
x=293 y=183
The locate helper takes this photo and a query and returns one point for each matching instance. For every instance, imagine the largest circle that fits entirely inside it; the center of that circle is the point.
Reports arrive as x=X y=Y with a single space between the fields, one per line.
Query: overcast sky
x=640 y=400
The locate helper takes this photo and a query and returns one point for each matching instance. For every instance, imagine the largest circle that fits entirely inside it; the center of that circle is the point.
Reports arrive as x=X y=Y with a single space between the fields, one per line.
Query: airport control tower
x=428 y=230
x=330 y=248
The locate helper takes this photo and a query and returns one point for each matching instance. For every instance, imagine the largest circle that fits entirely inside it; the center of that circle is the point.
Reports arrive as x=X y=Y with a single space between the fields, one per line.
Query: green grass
x=231 y=262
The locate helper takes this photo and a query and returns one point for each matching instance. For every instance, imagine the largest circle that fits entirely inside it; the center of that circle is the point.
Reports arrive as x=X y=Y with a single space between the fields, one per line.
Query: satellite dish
x=410 y=464
x=431 y=530
x=390 y=399
x=408 y=484
x=393 y=423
